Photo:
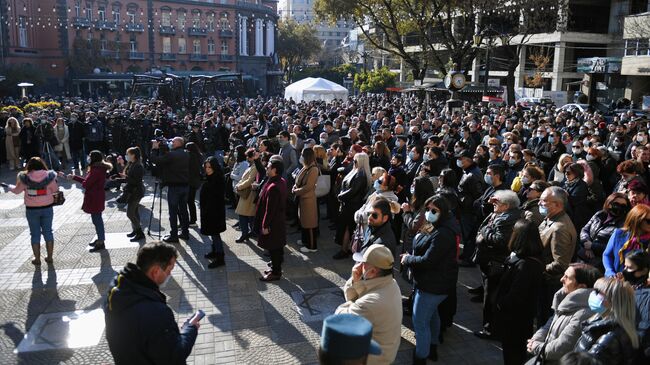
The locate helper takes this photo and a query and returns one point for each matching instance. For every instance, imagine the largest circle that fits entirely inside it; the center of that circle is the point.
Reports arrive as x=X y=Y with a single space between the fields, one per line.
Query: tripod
x=156 y=188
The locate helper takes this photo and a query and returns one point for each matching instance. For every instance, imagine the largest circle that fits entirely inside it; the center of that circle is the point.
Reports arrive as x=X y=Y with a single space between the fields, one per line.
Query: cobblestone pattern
x=247 y=321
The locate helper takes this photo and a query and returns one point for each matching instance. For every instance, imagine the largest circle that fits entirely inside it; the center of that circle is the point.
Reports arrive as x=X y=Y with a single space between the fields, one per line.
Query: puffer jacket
x=643 y=324
x=598 y=231
x=434 y=260
x=607 y=341
x=561 y=332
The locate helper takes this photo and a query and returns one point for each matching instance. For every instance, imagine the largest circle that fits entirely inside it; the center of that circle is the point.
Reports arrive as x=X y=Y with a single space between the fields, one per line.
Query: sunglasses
x=374 y=215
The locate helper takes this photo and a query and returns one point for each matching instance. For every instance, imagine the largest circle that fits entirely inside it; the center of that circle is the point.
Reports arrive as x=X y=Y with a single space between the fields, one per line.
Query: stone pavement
x=53 y=314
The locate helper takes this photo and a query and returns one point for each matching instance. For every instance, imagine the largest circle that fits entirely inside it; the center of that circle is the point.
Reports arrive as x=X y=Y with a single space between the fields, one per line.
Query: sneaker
x=242 y=238
x=184 y=236
x=98 y=247
x=132 y=234
x=307 y=250
x=170 y=239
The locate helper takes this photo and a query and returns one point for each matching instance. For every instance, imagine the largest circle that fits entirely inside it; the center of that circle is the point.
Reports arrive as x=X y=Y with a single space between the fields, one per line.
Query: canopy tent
x=310 y=89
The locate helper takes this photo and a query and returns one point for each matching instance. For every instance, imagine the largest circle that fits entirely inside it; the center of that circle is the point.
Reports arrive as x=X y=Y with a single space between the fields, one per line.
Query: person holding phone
x=140 y=327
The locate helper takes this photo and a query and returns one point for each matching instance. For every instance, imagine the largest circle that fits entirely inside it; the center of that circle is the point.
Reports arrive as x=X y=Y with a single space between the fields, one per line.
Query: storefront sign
x=599 y=65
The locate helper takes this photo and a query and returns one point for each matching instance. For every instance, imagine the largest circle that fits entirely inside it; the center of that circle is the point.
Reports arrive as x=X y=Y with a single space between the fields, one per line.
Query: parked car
x=573 y=106
x=530 y=102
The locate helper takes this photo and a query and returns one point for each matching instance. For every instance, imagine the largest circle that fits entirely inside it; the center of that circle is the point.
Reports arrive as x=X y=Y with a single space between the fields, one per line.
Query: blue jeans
x=246 y=224
x=40 y=222
x=99 y=225
x=217 y=244
x=426 y=321
x=177 y=203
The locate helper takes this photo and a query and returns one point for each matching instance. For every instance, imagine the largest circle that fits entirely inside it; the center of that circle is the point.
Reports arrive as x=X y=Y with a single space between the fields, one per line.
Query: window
x=101 y=13
x=166 y=20
x=223 y=22
x=22 y=31
x=224 y=47
x=210 y=22
x=133 y=46
x=103 y=43
x=130 y=14
x=211 y=49
x=181 y=19
x=90 y=36
x=196 y=19
x=89 y=11
x=182 y=46
x=77 y=8
x=196 y=46
x=116 y=14
x=167 y=45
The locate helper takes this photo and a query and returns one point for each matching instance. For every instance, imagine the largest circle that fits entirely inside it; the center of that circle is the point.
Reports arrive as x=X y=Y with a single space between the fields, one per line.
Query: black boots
x=433 y=353
x=417 y=361
x=138 y=236
x=217 y=262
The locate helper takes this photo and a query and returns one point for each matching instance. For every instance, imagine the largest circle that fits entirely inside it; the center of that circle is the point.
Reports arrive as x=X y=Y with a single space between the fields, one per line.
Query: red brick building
x=73 y=39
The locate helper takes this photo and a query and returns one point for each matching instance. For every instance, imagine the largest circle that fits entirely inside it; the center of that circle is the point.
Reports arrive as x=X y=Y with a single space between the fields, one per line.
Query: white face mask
x=164 y=283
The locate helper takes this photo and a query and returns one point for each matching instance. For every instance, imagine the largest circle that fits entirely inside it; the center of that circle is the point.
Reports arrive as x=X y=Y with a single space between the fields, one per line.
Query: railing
x=105 y=25
x=134 y=27
x=109 y=53
x=225 y=33
x=226 y=58
x=198 y=57
x=81 y=22
x=168 y=57
x=197 y=31
x=136 y=55
x=167 y=29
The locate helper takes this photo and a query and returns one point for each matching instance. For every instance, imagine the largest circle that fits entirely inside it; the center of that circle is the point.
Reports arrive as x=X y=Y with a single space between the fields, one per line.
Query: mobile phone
x=198 y=316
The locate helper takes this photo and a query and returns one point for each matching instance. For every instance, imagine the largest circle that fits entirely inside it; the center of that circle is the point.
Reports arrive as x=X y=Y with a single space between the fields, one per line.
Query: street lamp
x=489 y=35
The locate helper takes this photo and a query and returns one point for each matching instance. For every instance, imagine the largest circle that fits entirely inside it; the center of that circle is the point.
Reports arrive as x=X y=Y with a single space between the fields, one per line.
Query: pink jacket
x=38 y=185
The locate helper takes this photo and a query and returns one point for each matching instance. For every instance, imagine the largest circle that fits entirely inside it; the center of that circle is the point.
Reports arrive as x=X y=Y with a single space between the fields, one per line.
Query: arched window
x=166 y=16
x=224 y=22
x=181 y=16
x=196 y=18
x=209 y=19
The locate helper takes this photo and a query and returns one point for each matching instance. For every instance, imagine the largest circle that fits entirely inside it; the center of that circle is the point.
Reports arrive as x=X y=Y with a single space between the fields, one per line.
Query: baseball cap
x=376 y=255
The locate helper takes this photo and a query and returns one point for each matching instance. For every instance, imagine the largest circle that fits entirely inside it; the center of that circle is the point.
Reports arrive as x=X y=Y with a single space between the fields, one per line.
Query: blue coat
x=611 y=259
x=140 y=327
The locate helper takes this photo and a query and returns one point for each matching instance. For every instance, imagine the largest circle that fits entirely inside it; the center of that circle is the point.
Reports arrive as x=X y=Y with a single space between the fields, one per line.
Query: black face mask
x=632 y=279
x=618 y=210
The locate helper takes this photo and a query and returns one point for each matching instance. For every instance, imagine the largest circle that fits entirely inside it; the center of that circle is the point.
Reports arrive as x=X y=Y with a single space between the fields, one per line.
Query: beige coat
x=12 y=135
x=559 y=239
x=305 y=189
x=246 y=207
x=379 y=301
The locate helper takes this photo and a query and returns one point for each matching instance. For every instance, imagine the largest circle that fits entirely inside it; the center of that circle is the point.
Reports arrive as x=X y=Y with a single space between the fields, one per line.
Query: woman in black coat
x=213 y=210
x=596 y=233
x=578 y=192
x=134 y=191
x=515 y=299
x=29 y=141
x=195 y=178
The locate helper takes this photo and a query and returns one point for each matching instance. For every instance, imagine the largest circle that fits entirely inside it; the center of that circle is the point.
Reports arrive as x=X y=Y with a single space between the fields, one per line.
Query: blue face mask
x=377 y=186
x=488 y=179
x=512 y=162
x=412 y=190
x=551 y=139
x=543 y=210
x=596 y=303
x=411 y=155
x=459 y=163
x=431 y=217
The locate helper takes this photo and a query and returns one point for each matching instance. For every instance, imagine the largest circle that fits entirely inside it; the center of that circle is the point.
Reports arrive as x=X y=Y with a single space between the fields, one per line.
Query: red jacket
x=270 y=214
x=94 y=196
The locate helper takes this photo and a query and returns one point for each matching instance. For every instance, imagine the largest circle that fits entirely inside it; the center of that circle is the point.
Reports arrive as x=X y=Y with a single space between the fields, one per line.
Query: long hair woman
x=305 y=190
x=39 y=184
x=351 y=197
x=134 y=172
x=94 y=195
x=634 y=235
x=213 y=210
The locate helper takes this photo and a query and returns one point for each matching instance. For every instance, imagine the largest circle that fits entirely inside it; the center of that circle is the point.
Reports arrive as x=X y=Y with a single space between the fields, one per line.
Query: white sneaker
x=299 y=243
x=307 y=250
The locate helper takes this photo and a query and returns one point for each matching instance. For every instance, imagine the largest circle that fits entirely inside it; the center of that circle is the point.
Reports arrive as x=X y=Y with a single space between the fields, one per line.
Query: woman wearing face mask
x=557 y=173
x=305 y=190
x=530 y=207
x=611 y=335
x=213 y=210
x=550 y=152
x=414 y=210
x=94 y=194
x=237 y=172
x=434 y=267
x=495 y=156
x=596 y=233
x=526 y=177
x=246 y=203
x=634 y=235
x=561 y=332
x=134 y=191
x=514 y=301
x=629 y=170
x=637 y=268
x=578 y=192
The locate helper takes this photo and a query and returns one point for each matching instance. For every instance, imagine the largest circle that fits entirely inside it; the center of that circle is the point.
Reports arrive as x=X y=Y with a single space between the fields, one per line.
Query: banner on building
x=646 y=102
x=599 y=65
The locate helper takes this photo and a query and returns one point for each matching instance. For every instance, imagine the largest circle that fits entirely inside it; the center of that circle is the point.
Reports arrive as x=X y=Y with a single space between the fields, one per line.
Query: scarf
x=633 y=243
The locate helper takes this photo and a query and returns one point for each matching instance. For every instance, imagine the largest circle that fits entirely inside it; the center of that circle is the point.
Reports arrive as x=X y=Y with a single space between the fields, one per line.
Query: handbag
x=322 y=185
x=59 y=198
x=357 y=239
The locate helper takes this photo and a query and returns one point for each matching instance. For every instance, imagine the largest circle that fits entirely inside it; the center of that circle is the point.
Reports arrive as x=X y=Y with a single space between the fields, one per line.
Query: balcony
x=198 y=57
x=197 y=32
x=167 y=29
x=226 y=58
x=134 y=27
x=80 y=22
x=105 y=25
x=110 y=54
x=168 y=57
x=225 y=33
x=136 y=55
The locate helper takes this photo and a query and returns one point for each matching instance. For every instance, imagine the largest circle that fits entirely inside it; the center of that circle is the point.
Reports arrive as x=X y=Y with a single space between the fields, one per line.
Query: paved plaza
x=53 y=314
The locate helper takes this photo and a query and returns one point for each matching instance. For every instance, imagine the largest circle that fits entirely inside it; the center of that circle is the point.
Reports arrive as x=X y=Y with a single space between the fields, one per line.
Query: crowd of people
x=550 y=206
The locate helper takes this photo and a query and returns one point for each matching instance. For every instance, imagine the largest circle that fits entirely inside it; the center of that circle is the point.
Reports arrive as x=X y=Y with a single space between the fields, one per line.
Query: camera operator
x=174 y=169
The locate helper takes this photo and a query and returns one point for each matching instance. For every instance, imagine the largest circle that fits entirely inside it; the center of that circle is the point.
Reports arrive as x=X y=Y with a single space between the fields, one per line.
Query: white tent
x=315 y=89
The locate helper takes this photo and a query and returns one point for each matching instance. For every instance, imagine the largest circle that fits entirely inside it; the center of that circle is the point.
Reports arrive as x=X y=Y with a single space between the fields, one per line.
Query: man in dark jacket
x=140 y=327
x=470 y=188
x=379 y=227
x=76 y=140
x=174 y=166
